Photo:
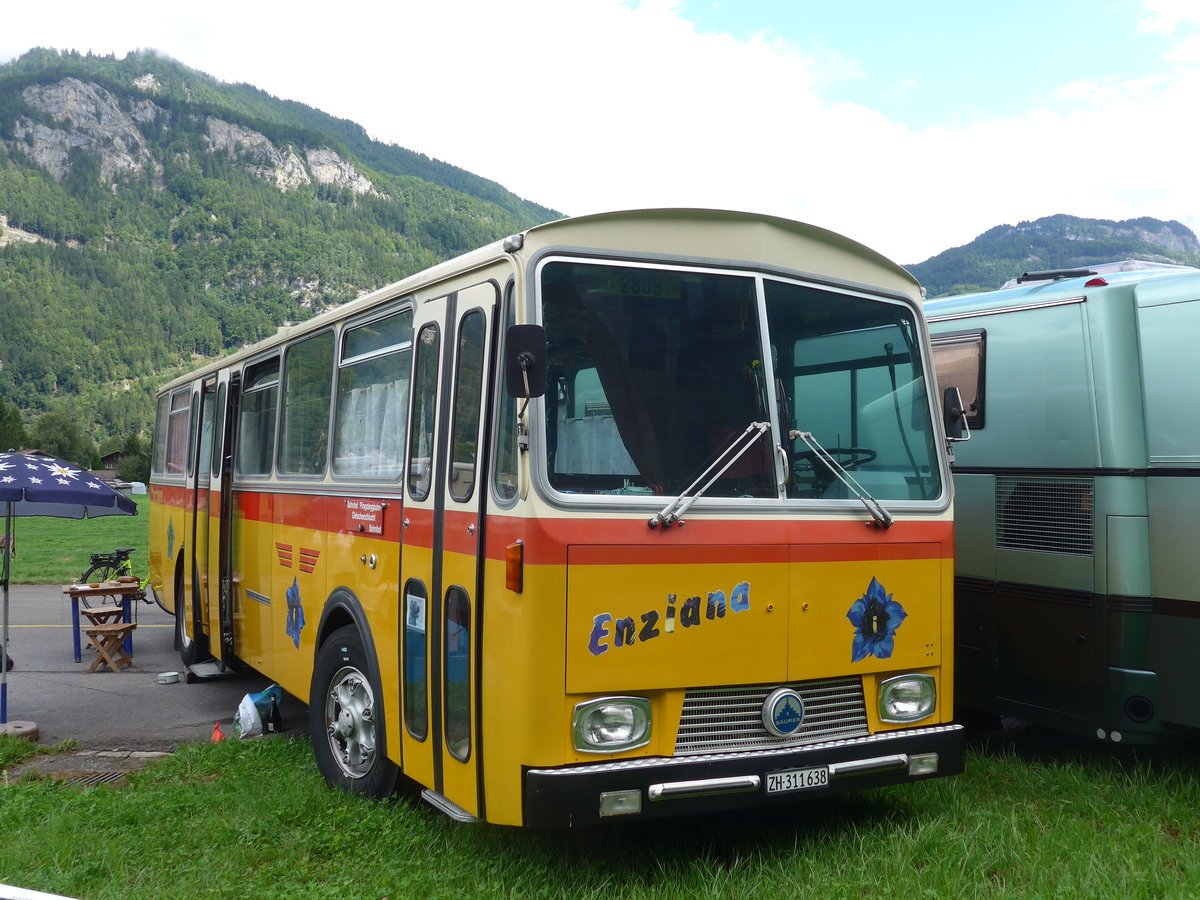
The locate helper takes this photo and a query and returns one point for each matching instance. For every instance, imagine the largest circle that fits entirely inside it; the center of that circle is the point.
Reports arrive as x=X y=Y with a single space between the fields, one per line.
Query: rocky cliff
x=74 y=115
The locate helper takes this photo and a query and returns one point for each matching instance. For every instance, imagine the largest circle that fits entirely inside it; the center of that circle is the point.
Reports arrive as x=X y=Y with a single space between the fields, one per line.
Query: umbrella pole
x=4 y=600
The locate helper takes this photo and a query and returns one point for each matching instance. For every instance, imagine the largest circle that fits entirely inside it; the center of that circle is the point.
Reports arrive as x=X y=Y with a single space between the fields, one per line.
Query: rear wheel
x=190 y=649
x=98 y=573
x=345 y=719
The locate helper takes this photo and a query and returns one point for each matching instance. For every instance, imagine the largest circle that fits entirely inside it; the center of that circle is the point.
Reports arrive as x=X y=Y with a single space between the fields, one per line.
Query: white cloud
x=602 y=104
x=1167 y=15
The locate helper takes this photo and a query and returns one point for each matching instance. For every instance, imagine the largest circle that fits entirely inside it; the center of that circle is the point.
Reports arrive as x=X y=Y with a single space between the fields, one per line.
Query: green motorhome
x=1077 y=557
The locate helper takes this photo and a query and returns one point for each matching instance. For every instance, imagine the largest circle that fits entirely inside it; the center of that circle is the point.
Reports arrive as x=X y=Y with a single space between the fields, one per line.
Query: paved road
x=126 y=710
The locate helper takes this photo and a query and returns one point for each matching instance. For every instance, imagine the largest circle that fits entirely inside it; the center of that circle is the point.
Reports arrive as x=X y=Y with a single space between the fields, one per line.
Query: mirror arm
x=524 y=360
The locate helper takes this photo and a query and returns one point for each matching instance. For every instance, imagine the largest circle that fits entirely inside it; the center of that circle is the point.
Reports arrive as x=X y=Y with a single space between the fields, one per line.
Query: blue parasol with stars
x=32 y=485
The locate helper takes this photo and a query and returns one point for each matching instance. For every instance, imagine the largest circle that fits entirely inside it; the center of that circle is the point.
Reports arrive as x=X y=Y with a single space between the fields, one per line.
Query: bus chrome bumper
x=656 y=787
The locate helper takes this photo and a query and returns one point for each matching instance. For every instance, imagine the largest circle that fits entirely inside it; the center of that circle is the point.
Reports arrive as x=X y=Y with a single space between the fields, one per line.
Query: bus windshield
x=654 y=372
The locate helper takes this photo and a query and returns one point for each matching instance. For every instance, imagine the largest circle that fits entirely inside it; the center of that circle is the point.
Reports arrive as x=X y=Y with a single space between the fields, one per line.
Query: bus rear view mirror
x=954 y=415
x=525 y=361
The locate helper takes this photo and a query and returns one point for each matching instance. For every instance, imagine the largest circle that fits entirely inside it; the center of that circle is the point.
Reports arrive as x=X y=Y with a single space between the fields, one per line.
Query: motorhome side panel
x=1169 y=325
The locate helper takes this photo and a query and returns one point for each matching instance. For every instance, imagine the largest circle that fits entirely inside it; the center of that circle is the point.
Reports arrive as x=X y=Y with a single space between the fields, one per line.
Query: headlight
x=907 y=698
x=611 y=724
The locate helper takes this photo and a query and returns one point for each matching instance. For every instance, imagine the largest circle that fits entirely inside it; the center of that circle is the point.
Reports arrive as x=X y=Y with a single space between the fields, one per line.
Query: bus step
x=206 y=671
x=449 y=807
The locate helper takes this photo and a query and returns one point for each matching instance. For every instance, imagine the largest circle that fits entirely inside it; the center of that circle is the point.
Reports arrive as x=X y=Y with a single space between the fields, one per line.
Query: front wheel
x=345 y=719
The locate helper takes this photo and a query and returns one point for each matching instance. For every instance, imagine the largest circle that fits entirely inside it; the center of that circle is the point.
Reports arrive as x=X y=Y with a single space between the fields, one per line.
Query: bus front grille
x=728 y=719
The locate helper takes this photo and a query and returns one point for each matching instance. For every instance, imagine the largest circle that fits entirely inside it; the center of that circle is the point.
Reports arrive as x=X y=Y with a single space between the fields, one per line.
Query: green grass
x=14 y=750
x=1043 y=817
x=56 y=551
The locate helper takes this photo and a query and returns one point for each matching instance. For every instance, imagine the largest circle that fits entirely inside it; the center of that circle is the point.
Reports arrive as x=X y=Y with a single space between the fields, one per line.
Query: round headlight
x=907 y=698
x=611 y=724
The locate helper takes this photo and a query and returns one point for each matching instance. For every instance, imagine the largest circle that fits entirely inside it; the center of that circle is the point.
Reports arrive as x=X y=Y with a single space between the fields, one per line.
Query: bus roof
x=751 y=237
x=1036 y=291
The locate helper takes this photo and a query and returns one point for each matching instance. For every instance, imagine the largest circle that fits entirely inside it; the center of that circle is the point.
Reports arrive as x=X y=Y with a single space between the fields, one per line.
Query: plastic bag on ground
x=247 y=723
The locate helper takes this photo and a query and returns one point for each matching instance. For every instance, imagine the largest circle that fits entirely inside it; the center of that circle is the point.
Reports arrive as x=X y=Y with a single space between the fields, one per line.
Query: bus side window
x=959 y=361
x=161 y=418
x=504 y=472
x=416 y=711
x=468 y=395
x=372 y=401
x=457 y=644
x=307 y=390
x=256 y=428
x=424 y=408
x=179 y=420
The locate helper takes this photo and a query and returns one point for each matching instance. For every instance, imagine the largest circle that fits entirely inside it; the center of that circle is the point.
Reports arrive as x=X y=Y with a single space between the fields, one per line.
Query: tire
x=190 y=650
x=97 y=573
x=345 y=719
x=152 y=594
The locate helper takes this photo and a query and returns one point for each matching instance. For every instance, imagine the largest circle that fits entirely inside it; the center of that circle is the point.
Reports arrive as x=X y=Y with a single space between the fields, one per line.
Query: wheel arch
x=344 y=608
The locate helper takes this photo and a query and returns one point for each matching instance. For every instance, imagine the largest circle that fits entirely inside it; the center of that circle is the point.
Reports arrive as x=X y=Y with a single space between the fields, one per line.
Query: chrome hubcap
x=350 y=722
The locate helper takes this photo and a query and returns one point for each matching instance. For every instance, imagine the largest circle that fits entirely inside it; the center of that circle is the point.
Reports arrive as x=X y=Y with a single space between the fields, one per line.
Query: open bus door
x=210 y=510
x=442 y=539
x=191 y=606
x=221 y=492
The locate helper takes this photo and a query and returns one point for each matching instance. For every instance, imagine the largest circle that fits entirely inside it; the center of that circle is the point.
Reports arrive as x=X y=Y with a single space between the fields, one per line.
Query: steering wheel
x=847 y=457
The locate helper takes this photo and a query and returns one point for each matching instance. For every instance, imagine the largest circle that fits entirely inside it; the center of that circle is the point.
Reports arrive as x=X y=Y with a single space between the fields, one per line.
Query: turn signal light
x=514 y=567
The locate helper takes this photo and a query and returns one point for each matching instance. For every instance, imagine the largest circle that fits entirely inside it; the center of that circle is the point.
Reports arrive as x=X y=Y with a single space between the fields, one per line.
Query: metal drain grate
x=92 y=779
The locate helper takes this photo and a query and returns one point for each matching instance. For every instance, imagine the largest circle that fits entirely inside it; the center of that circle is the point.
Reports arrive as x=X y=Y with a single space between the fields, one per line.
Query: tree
x=58 y=435
x=134 y=462
x=12 y=429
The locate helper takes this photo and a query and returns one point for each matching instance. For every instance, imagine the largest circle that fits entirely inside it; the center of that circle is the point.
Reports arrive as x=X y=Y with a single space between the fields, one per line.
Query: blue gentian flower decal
x=295 y=613
x=875 y=617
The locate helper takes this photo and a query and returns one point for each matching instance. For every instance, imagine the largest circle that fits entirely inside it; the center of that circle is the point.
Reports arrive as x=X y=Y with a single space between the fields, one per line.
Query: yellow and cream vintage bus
x=631 y=515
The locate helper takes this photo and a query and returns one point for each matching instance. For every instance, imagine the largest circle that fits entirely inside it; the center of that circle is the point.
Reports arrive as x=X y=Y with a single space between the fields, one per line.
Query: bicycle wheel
x=98 y=573
x=150 y=595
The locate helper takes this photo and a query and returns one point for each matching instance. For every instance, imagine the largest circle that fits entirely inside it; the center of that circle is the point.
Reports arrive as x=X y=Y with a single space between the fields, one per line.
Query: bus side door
x=196 y=573
x=441 y=534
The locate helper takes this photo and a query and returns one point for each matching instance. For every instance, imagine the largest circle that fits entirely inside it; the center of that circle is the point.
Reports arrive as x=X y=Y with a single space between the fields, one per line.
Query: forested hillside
x=1053 y=242
x=151 y=216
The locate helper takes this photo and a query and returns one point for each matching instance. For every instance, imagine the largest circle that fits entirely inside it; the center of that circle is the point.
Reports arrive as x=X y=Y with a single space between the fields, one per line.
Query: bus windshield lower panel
x=653 y=373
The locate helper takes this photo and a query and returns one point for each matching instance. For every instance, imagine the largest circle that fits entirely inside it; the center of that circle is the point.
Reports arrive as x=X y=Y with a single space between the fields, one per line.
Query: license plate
x=797 y=780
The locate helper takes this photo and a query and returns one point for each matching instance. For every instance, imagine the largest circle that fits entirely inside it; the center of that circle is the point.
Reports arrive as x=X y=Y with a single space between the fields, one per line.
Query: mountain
x=1054 y=242
x=151 y=216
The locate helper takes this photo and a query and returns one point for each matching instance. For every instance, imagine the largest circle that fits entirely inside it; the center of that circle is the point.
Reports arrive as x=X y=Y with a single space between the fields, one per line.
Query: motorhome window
x=372 y=402
x=651 y=374
x=849 y=372
x=177 y=431
x=958 y=361
x=307 y=387
x=256 y=427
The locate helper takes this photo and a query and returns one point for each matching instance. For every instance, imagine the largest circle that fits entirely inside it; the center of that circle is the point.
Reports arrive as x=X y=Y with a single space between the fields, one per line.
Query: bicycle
x=115 y=566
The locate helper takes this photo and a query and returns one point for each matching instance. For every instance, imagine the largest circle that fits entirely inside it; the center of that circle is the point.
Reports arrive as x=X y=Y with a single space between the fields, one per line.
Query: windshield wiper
x=673 y=511
x=883 y=519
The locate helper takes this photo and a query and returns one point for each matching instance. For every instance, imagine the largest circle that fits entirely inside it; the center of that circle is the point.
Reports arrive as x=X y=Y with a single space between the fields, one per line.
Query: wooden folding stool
x=110 y=645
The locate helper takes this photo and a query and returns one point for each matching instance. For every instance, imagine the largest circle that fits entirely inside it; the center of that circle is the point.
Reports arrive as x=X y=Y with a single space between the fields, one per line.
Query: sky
x=911 y=126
